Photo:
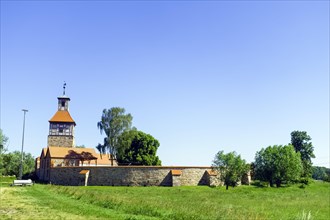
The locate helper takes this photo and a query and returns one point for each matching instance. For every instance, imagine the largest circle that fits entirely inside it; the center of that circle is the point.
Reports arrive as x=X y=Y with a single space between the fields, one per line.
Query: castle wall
x=132 y=176
x=60 y=141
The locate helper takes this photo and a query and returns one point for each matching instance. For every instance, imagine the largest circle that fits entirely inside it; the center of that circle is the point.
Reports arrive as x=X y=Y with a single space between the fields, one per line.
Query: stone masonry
x=133 y=176
x=60 y=141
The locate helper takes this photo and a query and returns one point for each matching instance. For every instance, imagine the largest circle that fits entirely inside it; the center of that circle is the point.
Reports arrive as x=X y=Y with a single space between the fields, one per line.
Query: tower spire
x=64 y=85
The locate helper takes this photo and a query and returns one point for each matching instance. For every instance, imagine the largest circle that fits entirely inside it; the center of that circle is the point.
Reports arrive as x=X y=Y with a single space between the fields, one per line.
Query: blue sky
x=199 y=76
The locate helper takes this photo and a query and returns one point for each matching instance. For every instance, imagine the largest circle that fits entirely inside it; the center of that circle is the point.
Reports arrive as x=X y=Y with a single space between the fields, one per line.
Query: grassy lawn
x=101 y=202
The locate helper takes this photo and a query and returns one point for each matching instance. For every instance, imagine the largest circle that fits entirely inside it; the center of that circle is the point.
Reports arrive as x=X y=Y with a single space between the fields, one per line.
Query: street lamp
x=21 y=165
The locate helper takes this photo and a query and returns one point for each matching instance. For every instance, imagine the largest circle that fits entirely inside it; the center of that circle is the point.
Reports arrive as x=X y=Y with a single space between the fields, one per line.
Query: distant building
x=61 y=150
x=61 y=125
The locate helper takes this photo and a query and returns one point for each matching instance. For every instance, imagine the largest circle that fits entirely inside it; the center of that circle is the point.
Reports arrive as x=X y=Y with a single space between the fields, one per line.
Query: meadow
x=102 y=202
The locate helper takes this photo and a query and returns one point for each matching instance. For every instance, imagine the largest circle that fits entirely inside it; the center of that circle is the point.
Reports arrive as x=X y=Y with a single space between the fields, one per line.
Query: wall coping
x=139 y=167
x=176 y=172
x=84 y=172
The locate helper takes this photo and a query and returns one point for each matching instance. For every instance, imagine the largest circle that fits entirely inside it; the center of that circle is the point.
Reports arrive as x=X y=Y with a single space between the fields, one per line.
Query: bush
x=305 y=180
x=278 y=165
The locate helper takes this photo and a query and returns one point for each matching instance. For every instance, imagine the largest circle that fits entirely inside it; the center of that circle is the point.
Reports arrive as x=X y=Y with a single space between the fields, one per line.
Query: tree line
x=10 y=161
x=276 y=164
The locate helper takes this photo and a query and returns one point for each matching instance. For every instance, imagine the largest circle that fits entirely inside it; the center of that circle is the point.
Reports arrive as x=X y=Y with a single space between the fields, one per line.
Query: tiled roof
x=62 y=152
x=78 y=153
x=43 y=152
x=62 y=116
x=103 y=160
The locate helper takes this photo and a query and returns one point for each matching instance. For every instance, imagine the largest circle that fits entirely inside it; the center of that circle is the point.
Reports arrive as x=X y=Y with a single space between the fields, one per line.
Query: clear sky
x=199 y=76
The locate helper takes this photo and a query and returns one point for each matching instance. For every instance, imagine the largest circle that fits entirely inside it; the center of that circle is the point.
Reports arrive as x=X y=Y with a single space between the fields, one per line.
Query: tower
x=61 y=125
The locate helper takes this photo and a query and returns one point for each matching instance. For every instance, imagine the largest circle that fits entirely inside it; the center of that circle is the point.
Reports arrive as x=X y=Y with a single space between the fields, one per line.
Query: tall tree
x=301 y=143
x=138 y=148
x=277 y=164
x=321 y=173
x=113 y=122
x=3 y=142
x=231 y=167
x=102 y=148
x=3 y=149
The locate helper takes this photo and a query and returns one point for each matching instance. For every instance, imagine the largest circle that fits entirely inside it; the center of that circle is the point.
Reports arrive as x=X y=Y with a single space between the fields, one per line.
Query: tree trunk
x=271 y=183
x=278 y=183
x=227 y=187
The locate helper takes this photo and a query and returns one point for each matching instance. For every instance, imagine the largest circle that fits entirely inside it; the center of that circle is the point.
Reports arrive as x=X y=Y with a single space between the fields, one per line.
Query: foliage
x=6 y=180
x=11 y=163
x=125 y=142
x=81 y=146
x=3 y=142
x=301 y=143
x=113 y=122
x=138 y=148
x=102 y=148
x=277 y=164
x=3 y=149
x=252 y=173
x=103 y=202
x=231 y=167
x=321 y=173
x=328 y=175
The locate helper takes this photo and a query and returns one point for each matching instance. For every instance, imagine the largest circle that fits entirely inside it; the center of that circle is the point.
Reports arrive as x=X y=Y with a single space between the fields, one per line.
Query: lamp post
x=21 y=165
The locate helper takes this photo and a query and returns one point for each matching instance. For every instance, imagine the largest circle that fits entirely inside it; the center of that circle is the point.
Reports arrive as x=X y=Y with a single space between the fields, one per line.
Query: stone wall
x=60 y=141
x=133 y=176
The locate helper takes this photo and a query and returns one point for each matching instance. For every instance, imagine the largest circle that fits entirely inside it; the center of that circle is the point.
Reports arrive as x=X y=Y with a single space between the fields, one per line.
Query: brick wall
x=133 y=176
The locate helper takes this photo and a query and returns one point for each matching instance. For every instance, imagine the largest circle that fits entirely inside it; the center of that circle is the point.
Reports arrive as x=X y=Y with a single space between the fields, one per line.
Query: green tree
x=3 y=142
x=277 y=164
x=125 y=142
x=81 y=146
x=320 y=173
x=113 y=122
x=3 y=149
x=138 y=148
x=328 y=175
x=12 y=162
x=301 y=142
x=231 y=167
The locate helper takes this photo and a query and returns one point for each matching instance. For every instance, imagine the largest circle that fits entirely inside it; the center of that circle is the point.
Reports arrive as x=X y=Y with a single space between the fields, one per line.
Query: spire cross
x=64 y=85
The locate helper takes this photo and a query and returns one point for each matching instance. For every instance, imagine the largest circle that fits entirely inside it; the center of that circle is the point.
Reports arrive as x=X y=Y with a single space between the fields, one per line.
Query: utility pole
x=21 y=165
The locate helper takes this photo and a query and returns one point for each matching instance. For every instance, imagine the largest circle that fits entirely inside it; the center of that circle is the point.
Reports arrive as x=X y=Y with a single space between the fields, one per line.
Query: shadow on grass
x=263 y=184
x=260 y=184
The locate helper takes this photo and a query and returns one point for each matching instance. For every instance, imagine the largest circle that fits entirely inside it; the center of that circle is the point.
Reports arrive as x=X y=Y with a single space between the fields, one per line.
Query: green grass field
x=101 y=202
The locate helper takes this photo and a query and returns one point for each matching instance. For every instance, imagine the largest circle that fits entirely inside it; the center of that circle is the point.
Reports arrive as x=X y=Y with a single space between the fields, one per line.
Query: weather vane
x=64 y=85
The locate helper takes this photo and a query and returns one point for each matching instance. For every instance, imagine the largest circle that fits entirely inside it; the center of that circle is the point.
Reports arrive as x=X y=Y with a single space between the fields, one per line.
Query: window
x=63 y=103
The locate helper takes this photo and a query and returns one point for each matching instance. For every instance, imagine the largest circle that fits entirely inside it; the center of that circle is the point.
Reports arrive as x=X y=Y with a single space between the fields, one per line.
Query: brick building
x=61 y=150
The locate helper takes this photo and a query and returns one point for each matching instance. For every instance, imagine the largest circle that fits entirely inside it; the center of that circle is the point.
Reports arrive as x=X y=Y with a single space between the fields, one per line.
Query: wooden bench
x=22 y=183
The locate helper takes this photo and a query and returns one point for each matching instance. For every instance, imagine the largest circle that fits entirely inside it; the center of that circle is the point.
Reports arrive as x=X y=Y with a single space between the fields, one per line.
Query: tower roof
x=62 y=116
x=63 y=97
